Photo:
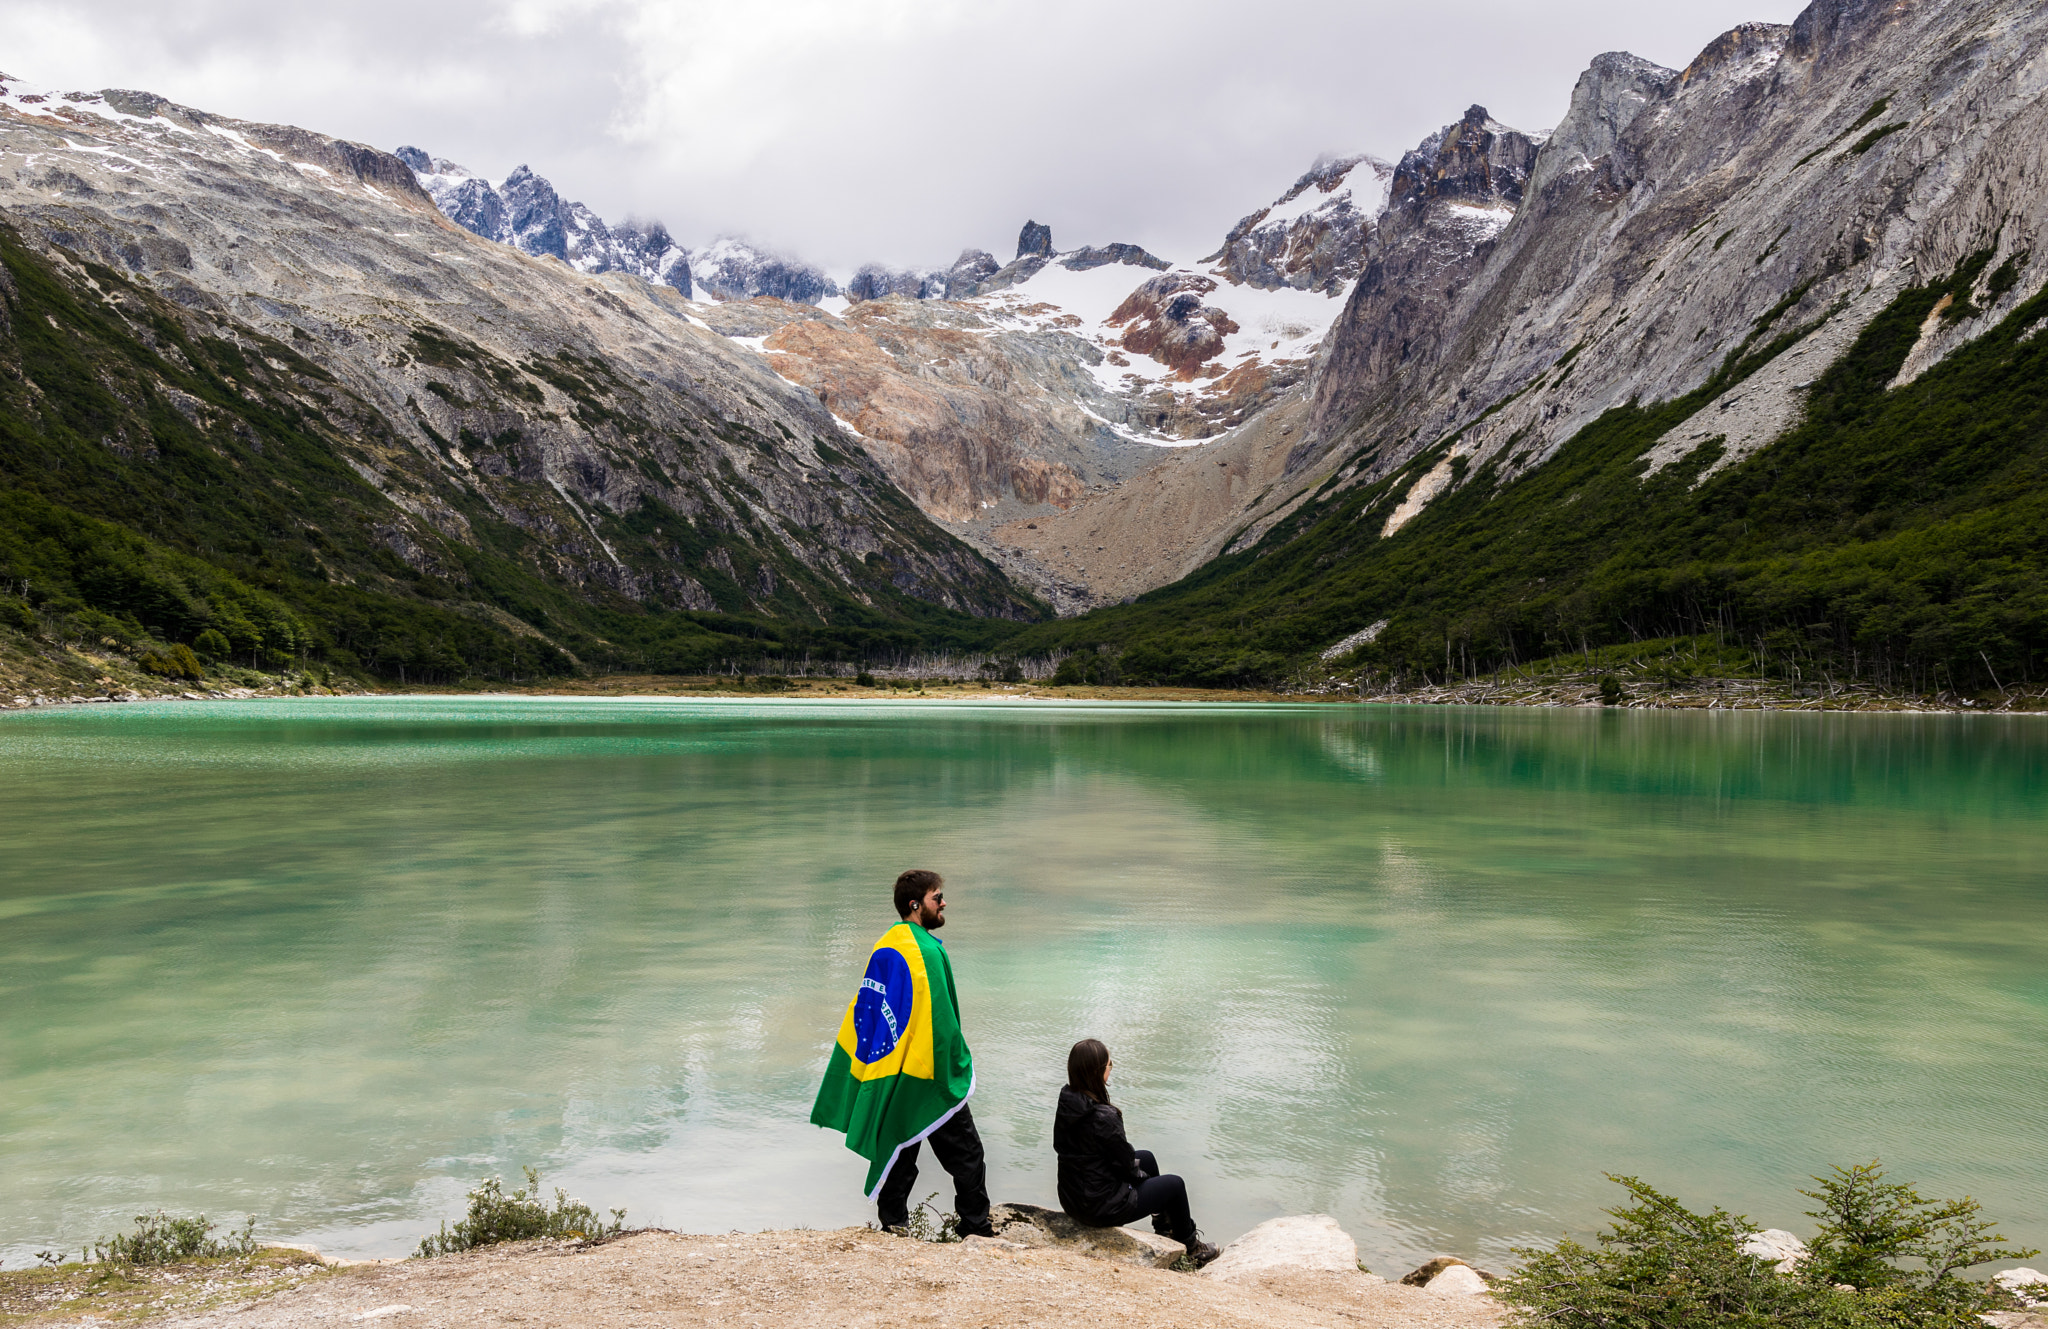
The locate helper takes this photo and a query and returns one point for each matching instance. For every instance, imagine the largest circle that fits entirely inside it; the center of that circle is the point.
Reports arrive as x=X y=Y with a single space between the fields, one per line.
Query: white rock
x=382 y=1312
x=1777 y=1245
x=1458 y=1280
x=2029 y=1285
x=1302 y=1241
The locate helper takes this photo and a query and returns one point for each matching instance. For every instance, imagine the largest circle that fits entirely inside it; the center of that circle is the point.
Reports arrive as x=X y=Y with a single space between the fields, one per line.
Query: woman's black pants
x=1165 y=1198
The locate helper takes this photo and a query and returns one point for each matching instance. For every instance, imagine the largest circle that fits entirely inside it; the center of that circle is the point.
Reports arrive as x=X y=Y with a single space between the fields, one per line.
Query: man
x=900 y=1072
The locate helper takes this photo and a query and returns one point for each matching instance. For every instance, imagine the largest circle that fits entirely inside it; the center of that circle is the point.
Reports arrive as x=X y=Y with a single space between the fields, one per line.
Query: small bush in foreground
x=1884 y=1258
x=160 y=1239
x=495 y=1216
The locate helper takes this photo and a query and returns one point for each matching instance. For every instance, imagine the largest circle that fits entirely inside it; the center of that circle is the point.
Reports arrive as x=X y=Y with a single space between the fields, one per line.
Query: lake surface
x=1432 y=971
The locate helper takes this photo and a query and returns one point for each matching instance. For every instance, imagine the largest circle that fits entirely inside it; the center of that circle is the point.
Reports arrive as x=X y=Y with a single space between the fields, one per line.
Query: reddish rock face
x=941 y=408
x=1169 y=322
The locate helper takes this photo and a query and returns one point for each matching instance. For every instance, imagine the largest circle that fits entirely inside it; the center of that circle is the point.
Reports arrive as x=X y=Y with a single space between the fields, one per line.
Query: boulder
x=1458 y=1280
x=1029 y=1225
x=1302 y=1241
x=1776 y=1245
x=1425 y=1274
x=2029 y=1285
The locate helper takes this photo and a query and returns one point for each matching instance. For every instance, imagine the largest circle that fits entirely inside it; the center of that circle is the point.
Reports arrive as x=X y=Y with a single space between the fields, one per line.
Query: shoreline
x=1723 y=695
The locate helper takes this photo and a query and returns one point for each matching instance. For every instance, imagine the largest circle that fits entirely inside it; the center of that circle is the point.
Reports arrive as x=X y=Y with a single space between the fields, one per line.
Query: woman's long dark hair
x=1088 y=1069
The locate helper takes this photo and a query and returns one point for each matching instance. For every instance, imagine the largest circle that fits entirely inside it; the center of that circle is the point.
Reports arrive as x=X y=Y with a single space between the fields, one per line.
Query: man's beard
x=938 y=921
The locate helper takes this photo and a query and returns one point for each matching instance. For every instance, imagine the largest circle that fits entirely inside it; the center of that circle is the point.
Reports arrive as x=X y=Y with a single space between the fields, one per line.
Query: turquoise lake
x=1432 y=971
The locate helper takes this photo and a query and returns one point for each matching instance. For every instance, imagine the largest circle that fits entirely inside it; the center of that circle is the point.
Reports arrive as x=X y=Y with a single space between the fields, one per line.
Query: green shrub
x=927 y=1223
x=1610 y=690
x=1662 y=1265
x=864 y=679
x=495 y=1216
x=172 y=662
x=160 y=1239
x=212 y=645
x=17 y=615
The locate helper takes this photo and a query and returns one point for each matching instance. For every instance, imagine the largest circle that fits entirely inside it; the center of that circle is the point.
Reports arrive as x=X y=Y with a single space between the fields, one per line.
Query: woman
x=1103 y=1181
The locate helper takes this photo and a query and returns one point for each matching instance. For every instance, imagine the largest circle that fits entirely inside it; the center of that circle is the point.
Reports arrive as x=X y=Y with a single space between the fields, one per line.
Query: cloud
x=892 y=129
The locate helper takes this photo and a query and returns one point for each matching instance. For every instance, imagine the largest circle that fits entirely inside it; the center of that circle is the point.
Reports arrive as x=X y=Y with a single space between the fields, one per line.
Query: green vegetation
x=927 y=1223
x=1876 y=136
x=1884 y=1258
x=159 y=1239
x=495 y=1216
x=1898 y=537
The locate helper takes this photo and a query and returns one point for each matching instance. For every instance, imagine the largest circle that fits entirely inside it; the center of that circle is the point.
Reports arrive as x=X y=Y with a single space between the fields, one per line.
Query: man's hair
x=913 y=886
x=1088 y=1069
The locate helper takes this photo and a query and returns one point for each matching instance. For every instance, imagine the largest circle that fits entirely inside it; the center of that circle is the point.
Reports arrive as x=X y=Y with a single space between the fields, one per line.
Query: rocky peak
x=973 y=267
x=1035 y=238
x=732 y=269
x=1747 y=44
x=872 y=281
x=1093 y=256
x=1609 y=96
x=1313 y=237
x=1477 y=161
x=538 y=217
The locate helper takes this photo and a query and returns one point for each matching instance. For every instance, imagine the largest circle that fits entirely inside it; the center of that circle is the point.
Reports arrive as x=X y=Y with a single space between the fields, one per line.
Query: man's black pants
x=957 y=1146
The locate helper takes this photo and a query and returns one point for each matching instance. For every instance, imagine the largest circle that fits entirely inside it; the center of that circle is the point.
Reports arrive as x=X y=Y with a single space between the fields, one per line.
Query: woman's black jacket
x=1097 y=1164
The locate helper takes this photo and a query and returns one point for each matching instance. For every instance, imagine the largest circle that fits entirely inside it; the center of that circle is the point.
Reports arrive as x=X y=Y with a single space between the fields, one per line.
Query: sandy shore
x=811 y=1280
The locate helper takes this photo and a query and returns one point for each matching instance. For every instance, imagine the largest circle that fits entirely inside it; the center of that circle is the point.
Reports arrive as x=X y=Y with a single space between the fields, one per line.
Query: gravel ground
x=840 y=1279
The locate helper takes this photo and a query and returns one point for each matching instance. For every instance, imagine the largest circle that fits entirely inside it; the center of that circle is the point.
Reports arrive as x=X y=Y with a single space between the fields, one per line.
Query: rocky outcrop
x=1301 y=1242
x=1166 y=319
x=1034 y=239
x=1313 y=237
x=1028 y=1225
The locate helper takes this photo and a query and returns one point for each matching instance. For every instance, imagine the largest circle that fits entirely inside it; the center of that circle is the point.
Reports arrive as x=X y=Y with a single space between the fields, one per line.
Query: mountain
x=1739 y=362
x=524 y=211
x=250 y=365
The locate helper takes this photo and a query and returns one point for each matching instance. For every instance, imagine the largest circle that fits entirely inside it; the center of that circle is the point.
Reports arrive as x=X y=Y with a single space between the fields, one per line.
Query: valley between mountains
x=1736 y=366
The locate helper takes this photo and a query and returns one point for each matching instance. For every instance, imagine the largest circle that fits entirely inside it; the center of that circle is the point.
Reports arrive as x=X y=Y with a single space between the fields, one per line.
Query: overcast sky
x=845 y=130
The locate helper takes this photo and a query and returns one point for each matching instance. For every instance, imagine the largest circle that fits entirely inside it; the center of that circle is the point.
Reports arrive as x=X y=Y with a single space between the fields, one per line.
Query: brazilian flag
x=901 y=1066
